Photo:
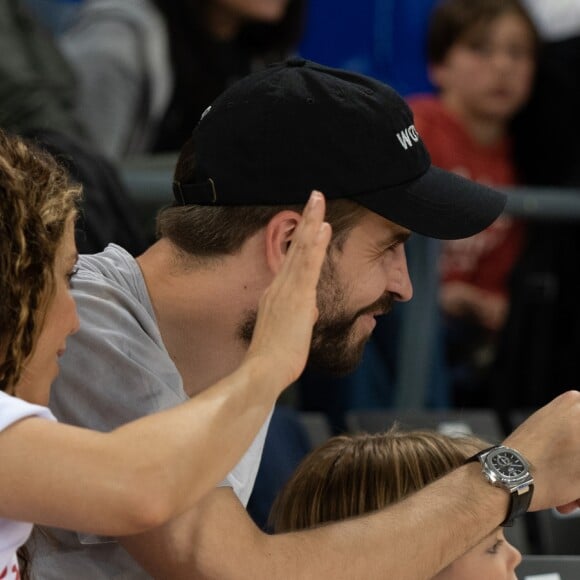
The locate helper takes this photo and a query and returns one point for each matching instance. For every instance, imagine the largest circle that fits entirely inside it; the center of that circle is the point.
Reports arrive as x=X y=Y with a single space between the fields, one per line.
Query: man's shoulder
x=113 y=269
x=110 y=260
x=109 y=290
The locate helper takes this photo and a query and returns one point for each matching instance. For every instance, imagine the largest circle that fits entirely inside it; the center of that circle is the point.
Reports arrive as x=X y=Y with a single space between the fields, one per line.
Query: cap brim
x=439 y=204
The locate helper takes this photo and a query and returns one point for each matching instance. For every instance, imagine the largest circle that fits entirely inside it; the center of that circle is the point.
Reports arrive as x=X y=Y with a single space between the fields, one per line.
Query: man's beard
x=333 y=350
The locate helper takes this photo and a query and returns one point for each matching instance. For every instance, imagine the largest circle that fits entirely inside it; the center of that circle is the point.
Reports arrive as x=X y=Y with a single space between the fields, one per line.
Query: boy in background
x=481 y=56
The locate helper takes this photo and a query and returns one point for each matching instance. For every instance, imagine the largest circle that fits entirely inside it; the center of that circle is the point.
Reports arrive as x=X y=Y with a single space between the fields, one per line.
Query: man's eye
x=392 y=247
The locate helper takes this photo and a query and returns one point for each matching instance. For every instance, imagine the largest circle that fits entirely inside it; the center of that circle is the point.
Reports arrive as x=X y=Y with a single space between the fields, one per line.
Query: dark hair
x=201 y=68
x=211 y=231
x=36 y=200
x=453 y=21
x=351 y=475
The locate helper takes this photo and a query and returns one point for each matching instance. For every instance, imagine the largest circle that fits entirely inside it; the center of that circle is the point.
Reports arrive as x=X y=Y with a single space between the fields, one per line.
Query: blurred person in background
x=38 y=99
x=213 y=44
x=482 y=56
x=147 y=69
x=119 y=52
x=538 y=355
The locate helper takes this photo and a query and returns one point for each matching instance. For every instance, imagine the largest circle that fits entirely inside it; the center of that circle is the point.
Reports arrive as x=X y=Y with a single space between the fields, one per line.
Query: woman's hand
x=287 y=310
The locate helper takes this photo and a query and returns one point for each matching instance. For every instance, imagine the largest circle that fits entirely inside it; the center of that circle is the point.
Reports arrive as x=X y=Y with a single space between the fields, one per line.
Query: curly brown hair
x=36 y=199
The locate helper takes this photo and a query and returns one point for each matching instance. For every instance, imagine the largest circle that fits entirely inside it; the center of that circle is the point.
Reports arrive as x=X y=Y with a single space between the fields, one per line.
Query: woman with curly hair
x=149 y=471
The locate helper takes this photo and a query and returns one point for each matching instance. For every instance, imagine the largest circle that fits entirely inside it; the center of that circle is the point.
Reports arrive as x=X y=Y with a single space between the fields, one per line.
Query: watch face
x=507 y=463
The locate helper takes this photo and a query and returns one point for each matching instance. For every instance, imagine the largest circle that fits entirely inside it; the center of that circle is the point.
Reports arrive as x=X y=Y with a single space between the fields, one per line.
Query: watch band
x=519 y=504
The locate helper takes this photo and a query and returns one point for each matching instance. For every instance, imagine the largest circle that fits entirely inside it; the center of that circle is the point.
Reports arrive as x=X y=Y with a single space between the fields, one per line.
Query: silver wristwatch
x=507 y=468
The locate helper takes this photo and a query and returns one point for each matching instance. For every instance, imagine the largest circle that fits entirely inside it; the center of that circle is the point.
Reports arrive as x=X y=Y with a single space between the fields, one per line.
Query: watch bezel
x=496 y=477
x=520 y=487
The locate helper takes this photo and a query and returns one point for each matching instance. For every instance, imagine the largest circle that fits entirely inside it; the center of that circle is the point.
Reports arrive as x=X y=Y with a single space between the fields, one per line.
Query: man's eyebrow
x=396 y=238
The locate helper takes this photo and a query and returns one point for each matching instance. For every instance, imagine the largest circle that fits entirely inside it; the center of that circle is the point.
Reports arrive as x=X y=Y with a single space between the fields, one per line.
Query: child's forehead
x=482 y=27
x=496 y=533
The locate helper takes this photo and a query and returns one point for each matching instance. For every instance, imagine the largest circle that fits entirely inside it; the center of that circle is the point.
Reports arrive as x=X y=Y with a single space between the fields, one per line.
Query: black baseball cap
x=274 y=136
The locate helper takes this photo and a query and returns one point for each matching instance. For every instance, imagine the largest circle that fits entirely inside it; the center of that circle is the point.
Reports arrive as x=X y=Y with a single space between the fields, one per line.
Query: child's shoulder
x=425 y=102
x=430 y=114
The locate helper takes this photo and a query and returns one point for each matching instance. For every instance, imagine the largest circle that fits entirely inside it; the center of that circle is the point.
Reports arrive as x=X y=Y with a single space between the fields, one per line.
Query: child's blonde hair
x=350 y=475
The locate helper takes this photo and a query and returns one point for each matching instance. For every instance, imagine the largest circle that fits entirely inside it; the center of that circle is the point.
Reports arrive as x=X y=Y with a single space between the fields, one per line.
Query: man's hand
x=550 y=440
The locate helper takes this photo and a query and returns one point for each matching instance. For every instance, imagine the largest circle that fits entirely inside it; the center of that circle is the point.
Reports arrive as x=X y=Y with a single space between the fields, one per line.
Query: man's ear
x=279 y=234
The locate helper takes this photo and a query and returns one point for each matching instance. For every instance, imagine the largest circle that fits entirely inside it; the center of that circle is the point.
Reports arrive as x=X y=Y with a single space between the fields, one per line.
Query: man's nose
x=400 y=283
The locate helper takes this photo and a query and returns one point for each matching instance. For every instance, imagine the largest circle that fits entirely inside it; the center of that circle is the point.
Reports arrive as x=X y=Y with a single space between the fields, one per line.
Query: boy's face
x=487 y=75
x=494 y=557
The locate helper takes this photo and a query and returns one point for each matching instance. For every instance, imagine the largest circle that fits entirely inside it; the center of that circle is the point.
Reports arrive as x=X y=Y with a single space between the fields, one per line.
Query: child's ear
x=279 y=234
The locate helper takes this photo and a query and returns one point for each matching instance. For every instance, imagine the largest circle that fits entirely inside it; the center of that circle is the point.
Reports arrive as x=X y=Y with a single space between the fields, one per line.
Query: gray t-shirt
x=115 y=369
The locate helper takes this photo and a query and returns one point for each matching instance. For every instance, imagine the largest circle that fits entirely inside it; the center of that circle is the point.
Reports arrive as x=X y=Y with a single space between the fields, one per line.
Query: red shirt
x=486 y=259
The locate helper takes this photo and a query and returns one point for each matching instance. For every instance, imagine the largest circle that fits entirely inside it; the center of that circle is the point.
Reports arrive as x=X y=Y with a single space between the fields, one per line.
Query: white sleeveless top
x=13 y=533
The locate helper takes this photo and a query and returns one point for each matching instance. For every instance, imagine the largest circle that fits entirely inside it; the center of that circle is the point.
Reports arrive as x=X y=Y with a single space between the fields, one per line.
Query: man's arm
x=413 y=539
x=410 y=540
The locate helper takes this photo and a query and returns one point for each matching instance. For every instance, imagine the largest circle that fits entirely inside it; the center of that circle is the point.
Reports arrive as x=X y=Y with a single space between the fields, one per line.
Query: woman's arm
x=148 y=471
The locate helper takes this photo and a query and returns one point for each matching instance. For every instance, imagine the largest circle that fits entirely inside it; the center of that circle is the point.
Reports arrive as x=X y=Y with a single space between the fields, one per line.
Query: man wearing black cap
x=161 y=328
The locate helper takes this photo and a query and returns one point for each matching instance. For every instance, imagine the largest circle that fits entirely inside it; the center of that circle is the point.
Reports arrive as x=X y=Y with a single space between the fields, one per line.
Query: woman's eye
x=70 y=275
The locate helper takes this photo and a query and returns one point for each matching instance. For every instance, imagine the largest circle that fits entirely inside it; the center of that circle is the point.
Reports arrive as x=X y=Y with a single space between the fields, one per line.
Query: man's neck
x=199 y=311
